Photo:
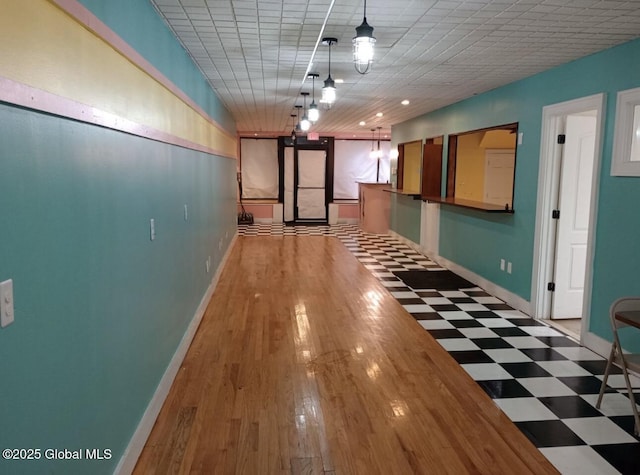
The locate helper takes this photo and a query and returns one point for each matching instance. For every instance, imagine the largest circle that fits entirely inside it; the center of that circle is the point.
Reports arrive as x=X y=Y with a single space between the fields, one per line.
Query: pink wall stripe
x=32 y=98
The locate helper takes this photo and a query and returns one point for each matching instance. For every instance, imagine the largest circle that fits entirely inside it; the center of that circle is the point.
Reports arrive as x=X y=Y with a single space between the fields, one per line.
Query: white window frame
x=626 y=140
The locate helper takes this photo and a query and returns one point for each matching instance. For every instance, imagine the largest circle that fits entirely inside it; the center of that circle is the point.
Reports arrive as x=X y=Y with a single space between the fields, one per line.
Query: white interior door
x=288 y=184
x=311 y=184
x=498 y=176
x=573 y=224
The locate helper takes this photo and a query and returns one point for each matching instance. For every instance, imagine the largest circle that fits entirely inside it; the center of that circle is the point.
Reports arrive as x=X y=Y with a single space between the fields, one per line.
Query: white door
x=288 y=184
x=498 y=176
x=573 y=224
x=311 y=185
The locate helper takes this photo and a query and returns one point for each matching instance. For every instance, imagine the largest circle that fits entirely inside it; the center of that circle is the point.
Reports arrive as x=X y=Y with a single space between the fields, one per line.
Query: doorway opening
x=567 y=193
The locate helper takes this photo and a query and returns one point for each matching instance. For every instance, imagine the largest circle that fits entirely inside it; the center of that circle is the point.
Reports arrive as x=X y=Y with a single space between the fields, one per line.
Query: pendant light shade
x=293 y=129
x=313 y=112
x=329 y=89
x=363 y=45
x=305 y=124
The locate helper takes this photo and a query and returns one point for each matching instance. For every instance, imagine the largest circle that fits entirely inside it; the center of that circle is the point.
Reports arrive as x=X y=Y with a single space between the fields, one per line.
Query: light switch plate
x=6 y=303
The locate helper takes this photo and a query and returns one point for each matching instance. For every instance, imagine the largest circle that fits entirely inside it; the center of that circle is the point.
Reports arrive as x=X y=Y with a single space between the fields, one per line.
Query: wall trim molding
x=131 y=454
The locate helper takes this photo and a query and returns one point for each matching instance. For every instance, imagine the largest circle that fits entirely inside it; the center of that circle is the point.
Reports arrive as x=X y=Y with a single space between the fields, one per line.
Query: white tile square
x=384 y=274
x=613 y=404
x=478 y=332
x=455 y=315
x=413 y=266
x=563 y=368
x=617 y=381
x=578 y=353
x=525 y=342
x=486 y=371
x=578 y=460
x=541 y=331
x=435 y=324
x=525 y=409
x=374 y=267
x=511 y=314
x=457 y=344
x=417 y=308
x=598 y=430
x=452 y=293
x=393 y=283
x=436 y=300
x=507 y=355
x=546 y=387
x=475 y=307
x=495 y=322
x=404 y=295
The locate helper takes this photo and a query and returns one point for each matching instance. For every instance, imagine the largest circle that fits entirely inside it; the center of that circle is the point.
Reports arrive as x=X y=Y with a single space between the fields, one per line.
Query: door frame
x=553 y=119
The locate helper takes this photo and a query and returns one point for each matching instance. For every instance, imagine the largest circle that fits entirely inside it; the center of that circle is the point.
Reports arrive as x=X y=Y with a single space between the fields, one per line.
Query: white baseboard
x=136 y=444
x=503 y=294
x=596 y=343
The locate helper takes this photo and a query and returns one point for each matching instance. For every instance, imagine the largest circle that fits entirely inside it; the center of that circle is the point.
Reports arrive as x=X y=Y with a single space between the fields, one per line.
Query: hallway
x=270 y=386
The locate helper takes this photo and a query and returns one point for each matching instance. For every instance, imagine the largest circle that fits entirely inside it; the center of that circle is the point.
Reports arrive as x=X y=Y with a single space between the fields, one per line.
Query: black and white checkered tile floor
x=543 y=380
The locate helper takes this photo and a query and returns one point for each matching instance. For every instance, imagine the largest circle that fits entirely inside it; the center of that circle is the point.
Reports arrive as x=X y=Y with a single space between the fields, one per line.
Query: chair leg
x=612 y=355
x=634 y=406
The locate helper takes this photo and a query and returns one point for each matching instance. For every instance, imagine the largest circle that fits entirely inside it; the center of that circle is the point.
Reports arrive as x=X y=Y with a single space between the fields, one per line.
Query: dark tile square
x=389 y=279
x=584 y=384
x=426 y=316
x=491 y=343
x=498 y=306
x=525 y=322
x=477 y=293
x=445 y=333
x=624 y=457
x=510 y=331
x=549 y=433
x=461 y=300
x=444 y=307
x=527 y=369
x=429 y=293
x=483 y=314
x=543 y=354
x=570 y=407
x=625 y=422
x=410 y=301
x=558 y=341
x=469 y=323
x=504 y=388
x=471 y=356
x=598 y=367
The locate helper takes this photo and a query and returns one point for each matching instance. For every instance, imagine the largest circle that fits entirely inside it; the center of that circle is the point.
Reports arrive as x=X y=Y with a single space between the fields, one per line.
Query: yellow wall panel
x=45 y=48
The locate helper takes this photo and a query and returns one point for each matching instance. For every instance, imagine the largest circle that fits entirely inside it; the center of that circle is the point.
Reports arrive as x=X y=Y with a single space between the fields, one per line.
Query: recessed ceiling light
x=405 y=102
x=339 y=81
x=379 y=114
x=362 y=122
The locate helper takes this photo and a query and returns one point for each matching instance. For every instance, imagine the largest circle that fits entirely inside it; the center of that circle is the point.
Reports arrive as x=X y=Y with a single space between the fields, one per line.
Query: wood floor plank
x=304 y=363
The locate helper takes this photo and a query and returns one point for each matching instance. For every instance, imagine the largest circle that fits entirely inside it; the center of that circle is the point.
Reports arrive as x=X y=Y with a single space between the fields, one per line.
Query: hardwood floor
x=304 y=363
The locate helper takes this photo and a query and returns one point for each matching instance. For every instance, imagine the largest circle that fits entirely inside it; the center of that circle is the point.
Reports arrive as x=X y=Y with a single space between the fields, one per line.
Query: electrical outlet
x=6 y=303
x=186 y=213
x=208 y=264
x=152 y=229
x=220 y=245
x=508 y=267
x=501 y=264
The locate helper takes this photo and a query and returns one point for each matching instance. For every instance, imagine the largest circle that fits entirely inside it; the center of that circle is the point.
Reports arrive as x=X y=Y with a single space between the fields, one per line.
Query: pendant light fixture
x=304 y=123
x=372 y=153
x=298 y=128
x=293 y=128
x=363 y=44
x=378 y=157
x=313 y=112
x=329 y=89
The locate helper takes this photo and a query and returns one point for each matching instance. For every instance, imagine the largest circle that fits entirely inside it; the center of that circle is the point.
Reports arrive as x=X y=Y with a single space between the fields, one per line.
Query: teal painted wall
x=99 y=308
x=405 y=216
x=477 y=241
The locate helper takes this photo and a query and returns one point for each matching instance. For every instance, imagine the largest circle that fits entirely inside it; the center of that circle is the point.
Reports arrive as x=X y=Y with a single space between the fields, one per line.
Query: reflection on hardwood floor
x=304 y=363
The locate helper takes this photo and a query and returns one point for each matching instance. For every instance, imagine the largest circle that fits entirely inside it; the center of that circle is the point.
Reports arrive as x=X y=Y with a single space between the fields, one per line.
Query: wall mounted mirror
x=481 y=167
